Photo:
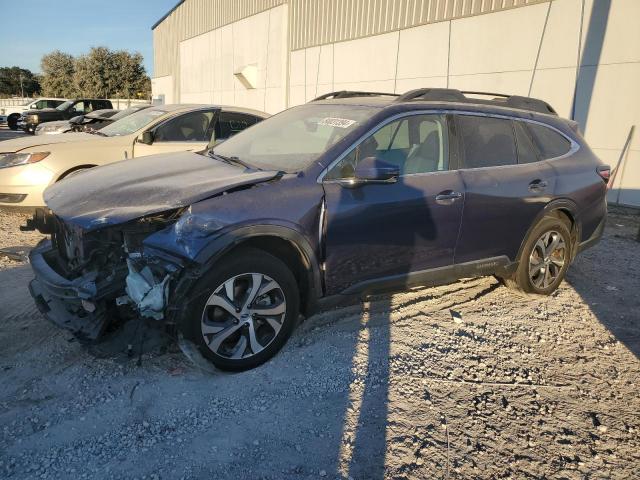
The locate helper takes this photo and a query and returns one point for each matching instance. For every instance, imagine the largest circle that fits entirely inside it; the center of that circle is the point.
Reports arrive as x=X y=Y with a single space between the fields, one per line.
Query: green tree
x=101 y=73
x=95 y=73
x=133 y=79
x=18 y=81
x=57 y=74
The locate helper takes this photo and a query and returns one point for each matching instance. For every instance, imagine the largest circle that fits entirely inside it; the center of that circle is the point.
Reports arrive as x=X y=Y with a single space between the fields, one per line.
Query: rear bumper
x=69 y=304
x=594 y=238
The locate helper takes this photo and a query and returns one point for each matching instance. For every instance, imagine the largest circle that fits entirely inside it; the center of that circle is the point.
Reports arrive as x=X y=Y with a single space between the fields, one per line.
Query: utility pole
x=21 y=87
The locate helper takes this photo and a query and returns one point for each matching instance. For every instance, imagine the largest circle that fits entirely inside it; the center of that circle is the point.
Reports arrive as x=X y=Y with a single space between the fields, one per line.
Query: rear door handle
x=537 y=186
x=447 y=197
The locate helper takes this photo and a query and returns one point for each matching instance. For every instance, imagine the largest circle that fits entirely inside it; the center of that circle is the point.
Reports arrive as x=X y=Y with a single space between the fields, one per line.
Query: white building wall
x=162 y=88
x=208 y=63
x=497 y=52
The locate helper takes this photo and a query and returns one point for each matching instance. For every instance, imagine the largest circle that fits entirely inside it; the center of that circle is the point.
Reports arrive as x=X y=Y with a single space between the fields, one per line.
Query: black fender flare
x=558 y=204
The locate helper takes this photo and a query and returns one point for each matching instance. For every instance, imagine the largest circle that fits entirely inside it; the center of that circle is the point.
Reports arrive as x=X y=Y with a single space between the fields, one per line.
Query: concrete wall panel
x=511 y=82
x=297 y=73
x=209 y=61
x=366 y=60
x=621 y=31
x=424 y=51
x=503 y=41
x=163 y=86
x=555 y=85
x=561 y=39
x=406 y=84
x=613 y=106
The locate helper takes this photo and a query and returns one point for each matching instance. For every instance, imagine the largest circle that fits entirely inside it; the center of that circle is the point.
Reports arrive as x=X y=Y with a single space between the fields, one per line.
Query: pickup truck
x=11 y=114
x=30 y=119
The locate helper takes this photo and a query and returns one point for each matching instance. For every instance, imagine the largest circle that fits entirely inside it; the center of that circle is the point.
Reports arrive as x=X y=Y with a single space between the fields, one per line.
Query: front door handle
x=447 y=197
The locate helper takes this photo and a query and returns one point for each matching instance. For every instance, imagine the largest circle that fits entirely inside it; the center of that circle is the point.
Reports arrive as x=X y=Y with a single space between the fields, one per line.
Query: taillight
x=605 y=172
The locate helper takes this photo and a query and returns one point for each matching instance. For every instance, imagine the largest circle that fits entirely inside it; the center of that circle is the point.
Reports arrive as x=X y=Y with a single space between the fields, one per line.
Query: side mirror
x=146 y=138
x=375 y=170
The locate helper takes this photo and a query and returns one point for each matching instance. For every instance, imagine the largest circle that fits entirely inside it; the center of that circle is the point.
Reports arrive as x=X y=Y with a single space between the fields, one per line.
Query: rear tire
x=242 y=311
x=12 y=121
x=545 y=257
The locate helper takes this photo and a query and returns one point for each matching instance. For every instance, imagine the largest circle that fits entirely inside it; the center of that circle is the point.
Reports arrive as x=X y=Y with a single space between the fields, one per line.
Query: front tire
x=242 y=311
x=12 y=121
x=545 y=258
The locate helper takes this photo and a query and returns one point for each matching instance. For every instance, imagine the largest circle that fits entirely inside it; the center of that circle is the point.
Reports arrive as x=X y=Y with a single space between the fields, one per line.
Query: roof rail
x=350 y=94
x=453 y=95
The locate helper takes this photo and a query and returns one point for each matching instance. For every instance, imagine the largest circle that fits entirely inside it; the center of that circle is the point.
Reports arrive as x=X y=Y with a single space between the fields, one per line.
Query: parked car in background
x=29 y=164
x=30 y=119
x=87 y=123
x=95 y=121
x=11 y=114
x=75 y=124
x=351 y=194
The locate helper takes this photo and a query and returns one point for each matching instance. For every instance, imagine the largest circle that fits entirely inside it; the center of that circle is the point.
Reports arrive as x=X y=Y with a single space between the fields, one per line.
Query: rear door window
x=230 y=123
x=549 y=142
x=189 y=127
x=527 y=152
x=100 y=104
x=487 y=141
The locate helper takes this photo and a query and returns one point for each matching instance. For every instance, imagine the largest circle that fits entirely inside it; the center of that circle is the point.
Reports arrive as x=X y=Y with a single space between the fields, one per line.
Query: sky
x=33 y=28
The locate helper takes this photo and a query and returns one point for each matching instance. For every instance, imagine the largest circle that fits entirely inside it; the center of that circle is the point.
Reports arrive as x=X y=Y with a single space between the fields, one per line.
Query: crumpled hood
x=130 y=189
x=29 y=141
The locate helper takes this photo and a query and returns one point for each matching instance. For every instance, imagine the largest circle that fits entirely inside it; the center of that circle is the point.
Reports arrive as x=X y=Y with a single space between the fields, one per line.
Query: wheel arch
x=565 y=209
x=284 y=243
x=73 y=169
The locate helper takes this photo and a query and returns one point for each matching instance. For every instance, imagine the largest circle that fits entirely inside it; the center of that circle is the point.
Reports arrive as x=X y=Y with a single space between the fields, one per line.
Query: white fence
x=118 y=103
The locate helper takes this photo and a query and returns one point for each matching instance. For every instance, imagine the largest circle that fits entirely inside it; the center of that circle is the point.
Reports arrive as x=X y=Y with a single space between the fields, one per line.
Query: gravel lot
x=505 y=387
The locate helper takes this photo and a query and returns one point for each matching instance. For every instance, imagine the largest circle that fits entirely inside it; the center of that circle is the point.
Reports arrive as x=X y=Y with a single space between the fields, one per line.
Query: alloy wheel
x=547 y=259
x=243 y=315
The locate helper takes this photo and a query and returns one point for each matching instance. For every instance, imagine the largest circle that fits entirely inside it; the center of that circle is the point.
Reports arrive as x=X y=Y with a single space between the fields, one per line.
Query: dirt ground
x=462 y=381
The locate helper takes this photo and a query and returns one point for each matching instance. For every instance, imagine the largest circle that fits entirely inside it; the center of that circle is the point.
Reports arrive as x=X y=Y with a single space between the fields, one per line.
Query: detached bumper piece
x=148 y=293
x=70 y=304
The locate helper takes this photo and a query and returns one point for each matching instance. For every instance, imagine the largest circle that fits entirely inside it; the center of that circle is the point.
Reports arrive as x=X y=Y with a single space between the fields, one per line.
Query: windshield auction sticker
x=336 y=122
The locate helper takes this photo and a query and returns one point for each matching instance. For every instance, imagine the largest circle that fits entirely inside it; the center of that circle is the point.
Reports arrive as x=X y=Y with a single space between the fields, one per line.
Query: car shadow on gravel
x=362 y=450
x=611 y=288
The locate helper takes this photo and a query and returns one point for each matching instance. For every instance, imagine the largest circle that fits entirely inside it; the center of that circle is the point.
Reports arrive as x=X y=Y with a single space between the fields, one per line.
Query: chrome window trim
x=575 y=146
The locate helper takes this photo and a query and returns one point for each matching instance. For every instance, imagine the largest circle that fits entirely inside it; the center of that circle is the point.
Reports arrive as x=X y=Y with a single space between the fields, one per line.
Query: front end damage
x=90 y=282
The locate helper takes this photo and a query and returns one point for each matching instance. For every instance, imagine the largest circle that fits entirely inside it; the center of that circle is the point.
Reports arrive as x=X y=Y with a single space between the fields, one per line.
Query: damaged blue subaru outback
x=351 y=194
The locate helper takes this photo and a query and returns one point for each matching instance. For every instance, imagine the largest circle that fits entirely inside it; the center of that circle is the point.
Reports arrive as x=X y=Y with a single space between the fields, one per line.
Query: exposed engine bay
x=90 y=282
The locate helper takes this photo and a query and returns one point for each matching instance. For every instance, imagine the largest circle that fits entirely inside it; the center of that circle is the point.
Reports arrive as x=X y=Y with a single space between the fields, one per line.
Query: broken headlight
x=196 y=225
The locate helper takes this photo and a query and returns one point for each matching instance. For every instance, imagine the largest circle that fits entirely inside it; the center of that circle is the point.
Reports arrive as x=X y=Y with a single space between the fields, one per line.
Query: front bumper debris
x=70 y=304
x=149 y=295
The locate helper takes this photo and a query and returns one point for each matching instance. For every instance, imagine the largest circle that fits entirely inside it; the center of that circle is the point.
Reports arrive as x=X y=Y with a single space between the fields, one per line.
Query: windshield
x=132 y=123
x=127 y=112
x=65 y=105
x=293 y=139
